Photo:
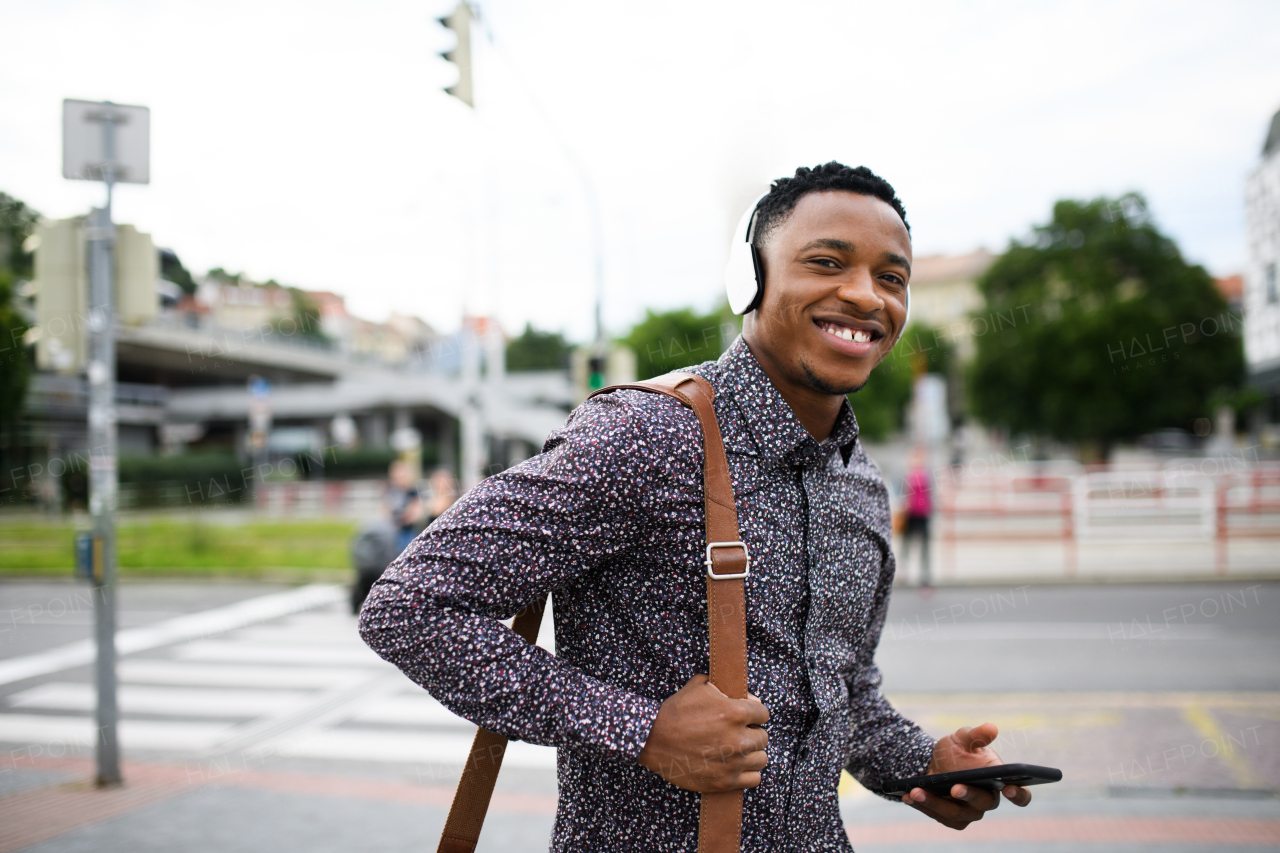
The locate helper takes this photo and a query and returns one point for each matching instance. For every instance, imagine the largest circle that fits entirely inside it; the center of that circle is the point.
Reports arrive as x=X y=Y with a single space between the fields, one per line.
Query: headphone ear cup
x=744 y=274
x=757 y=267
x=740 y=281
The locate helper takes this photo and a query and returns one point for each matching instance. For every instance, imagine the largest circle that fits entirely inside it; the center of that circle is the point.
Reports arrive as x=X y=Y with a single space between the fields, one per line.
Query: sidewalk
x=1066 y=820
x=995 y=561
x=49 y=808
x=48 y=805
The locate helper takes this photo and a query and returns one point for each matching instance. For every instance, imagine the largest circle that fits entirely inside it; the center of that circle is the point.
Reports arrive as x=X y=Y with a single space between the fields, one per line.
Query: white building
x=945 y=297
x=1262 y=290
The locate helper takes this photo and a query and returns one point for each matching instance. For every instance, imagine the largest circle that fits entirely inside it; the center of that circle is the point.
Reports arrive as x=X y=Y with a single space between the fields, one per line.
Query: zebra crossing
x=298 y=685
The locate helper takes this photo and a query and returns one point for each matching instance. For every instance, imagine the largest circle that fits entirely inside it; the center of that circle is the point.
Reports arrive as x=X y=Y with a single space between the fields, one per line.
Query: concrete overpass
x=183 y=381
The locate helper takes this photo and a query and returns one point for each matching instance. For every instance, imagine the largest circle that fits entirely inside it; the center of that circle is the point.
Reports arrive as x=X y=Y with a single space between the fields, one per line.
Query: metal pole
x=102 y=465
x=471 y=419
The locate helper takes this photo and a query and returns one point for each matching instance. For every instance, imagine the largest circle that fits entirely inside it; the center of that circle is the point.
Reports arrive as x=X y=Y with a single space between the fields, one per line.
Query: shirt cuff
x=903 y=754
x=616 y=722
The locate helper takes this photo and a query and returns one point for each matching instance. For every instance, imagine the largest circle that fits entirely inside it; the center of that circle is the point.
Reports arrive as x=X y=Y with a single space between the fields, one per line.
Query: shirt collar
x=777 y=431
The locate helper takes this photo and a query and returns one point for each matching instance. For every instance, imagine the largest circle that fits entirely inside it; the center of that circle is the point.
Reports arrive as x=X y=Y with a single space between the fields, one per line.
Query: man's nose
x=859 y=289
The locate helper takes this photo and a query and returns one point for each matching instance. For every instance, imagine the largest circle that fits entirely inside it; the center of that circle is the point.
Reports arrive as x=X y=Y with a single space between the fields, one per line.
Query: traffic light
x=595 y=372
x=459 y=22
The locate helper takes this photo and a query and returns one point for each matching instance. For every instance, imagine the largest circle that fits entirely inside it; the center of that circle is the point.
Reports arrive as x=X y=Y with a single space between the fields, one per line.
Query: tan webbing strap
x=720 y=821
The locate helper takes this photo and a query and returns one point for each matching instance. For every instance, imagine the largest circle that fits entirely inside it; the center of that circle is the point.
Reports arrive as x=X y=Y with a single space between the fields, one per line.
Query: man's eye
x=826 y=262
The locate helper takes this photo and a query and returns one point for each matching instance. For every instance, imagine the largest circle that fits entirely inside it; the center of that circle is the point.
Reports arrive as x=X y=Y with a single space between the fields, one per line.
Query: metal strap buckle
x=746 y=571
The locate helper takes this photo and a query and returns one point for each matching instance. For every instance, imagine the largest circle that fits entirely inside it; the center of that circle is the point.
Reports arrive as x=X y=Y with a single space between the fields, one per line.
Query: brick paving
x=32 y=816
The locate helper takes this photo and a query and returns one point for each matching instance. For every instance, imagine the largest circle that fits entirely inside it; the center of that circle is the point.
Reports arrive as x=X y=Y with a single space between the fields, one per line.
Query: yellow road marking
x=1206 y=725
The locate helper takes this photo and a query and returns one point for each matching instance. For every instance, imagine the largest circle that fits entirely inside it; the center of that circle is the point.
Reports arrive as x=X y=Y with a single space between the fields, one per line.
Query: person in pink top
x=917 y=492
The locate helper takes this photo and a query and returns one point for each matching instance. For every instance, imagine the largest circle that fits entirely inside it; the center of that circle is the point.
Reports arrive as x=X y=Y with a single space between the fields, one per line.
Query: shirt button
x=813 y=661
x=804 y=752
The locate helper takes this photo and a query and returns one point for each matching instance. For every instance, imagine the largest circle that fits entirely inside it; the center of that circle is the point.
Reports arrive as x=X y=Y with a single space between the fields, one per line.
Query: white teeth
x=860 y=336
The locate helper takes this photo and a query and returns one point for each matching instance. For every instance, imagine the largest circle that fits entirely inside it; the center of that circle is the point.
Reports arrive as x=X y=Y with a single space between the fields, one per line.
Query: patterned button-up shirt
x=609 y=519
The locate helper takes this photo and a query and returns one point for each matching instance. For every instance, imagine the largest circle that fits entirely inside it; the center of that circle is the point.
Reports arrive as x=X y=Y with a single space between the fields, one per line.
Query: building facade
x=1262 y=290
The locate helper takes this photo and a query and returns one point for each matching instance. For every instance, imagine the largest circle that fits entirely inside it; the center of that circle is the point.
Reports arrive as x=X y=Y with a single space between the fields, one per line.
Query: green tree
x=220 y=274
x=17 y=222
x=534 y=349
x=1100 y=331
x=670 y=340
x=171 y=269
x=14 y=368
x=303 y=319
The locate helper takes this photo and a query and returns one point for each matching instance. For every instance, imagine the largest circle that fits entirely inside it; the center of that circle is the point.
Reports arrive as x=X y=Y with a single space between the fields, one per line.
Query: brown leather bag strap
x=475 y=788
x=727 y=566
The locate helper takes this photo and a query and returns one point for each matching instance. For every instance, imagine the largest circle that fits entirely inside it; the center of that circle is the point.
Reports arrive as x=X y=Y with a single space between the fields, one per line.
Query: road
x=255 y=719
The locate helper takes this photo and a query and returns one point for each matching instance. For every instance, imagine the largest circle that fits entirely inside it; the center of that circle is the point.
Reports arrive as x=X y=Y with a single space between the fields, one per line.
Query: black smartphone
x=992 y=778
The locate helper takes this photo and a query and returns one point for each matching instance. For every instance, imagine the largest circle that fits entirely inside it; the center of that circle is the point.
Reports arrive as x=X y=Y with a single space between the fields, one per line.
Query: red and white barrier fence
x=1196 y=500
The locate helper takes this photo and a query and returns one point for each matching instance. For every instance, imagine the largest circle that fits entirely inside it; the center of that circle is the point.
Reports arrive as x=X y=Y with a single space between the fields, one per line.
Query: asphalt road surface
x=254 y=719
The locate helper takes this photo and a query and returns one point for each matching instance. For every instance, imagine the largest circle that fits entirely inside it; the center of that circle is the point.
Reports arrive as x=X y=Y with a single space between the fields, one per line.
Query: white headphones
x=744 y=275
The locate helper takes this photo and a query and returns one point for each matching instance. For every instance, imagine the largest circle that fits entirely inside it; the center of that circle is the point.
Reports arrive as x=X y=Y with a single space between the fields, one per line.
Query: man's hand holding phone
x=964 y=749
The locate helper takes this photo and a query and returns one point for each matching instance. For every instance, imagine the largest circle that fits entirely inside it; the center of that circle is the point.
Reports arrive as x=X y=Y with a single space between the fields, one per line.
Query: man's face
x=836 y=275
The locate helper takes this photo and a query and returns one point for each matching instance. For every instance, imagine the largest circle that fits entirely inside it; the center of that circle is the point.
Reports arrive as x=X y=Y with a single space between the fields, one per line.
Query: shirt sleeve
x=436 y=612
x=883 y=744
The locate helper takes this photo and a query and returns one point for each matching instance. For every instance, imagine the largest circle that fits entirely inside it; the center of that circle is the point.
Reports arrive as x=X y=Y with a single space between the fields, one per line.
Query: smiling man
x=609 y=519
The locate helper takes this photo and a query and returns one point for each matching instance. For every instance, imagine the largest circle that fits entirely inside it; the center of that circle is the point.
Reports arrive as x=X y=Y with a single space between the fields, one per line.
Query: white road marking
x=928 y=629
x=290 y=634
x=174 y=701
x=232 y=651
x=409 y=710
x=304 y=685
x=134 y=734
x=180 y=629
x=404 y=747
x=214 y=675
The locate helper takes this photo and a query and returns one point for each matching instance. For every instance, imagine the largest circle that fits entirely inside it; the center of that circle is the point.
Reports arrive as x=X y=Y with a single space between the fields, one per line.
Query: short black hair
x=785 y=193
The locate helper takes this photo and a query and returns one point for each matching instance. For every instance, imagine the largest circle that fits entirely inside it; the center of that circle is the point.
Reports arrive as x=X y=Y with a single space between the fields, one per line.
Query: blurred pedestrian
x=443 y=491
x=378 y=543
x=408 y=513
x=917 y=492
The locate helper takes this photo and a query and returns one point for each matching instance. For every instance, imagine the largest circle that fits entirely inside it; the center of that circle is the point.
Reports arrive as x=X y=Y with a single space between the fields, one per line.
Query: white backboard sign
x=90 y=128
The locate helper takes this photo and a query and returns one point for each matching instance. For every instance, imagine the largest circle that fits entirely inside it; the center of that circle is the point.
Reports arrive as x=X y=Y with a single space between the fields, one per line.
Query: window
x=1270 y=278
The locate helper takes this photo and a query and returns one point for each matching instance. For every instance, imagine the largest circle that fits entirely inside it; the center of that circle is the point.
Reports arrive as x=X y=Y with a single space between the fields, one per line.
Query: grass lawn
x=188 y=549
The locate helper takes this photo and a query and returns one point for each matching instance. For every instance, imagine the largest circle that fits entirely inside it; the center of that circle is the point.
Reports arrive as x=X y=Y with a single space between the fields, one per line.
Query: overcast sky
x=310 y=142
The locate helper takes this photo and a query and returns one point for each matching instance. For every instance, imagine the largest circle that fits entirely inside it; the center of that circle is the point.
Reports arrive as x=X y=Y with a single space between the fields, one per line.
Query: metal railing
x=1194 y=501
